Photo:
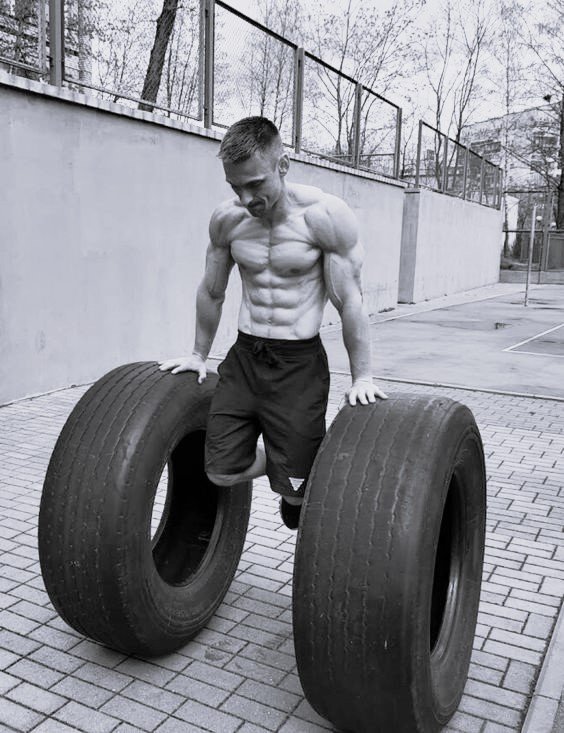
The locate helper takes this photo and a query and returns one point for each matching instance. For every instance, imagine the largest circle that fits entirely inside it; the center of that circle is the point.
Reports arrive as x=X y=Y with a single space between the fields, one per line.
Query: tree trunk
x=165 y=24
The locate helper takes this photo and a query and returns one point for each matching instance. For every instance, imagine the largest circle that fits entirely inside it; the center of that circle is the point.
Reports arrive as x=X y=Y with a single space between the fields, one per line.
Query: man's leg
x=294 y=500
x=256 y=469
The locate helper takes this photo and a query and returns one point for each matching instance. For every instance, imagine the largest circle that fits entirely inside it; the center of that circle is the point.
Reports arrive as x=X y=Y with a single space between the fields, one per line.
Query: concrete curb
x=543 y=707
x=443 y=385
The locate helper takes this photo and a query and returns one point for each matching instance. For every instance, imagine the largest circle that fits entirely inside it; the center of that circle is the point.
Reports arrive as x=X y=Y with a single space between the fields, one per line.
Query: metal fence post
x=42 y=36
x=444 y=181
x=297 y=122
x=465 y=174
x=397 y=150
x=356 y=125
x=497 y=187
x=482 y=181
x=56 y=42
x=209 y=31
x=530 y=254
x=547 y=215
x=418 y=159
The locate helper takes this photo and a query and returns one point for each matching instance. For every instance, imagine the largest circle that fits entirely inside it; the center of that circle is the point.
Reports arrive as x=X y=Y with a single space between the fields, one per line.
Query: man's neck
x=280 y=210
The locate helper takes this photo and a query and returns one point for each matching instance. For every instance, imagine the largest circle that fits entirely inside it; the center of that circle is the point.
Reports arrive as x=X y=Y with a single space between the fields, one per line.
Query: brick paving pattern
x=239 y=674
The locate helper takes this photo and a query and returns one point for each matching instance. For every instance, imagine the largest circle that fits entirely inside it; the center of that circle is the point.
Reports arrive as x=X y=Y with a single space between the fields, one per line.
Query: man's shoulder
x=332 y=220
x=315 y=197
x=224 y=217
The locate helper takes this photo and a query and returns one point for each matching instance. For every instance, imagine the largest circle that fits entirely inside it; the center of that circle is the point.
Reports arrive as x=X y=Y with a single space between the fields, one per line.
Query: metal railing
x=517 y=243
x=216 y=66
x=443 y=164
x=23 y=38
x=548 y=249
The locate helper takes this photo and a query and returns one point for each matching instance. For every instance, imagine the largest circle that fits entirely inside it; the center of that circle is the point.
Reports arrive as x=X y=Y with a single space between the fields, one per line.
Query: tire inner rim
x=447 y=573
x=190 y=522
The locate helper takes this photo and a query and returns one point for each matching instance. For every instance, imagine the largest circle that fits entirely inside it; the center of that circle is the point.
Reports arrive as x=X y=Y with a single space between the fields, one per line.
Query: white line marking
x=526 y=341
x=538 y=353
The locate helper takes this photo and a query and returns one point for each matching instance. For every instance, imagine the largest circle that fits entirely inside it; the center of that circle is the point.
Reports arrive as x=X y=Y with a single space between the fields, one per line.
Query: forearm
x=208 y=314
x=356 y=337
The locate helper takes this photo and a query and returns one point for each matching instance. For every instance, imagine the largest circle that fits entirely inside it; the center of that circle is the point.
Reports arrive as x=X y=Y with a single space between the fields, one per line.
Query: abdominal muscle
x=284 y=292
x=281 y=269
x=282 y=308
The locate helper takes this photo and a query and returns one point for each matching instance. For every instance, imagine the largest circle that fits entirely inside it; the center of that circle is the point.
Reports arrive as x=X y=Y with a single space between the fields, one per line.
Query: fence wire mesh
x=131 y=51
x=517 y=243
x=168 y=57
x=23 y=37
x=328 y=112
x=253 y=74
x=454 y=179
x=378 y=130
x=447 y=166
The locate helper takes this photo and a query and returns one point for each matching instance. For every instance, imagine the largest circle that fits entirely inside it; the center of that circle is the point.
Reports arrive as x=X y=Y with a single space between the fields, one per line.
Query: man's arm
x=343 y=258
x=209 y=300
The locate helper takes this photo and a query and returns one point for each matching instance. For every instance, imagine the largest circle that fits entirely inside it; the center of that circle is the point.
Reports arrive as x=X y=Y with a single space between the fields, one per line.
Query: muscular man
x=295 y=247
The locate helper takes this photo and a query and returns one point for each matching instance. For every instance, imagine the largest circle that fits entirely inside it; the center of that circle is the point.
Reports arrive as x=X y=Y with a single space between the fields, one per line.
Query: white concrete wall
x=448 y=245
x=103 y=230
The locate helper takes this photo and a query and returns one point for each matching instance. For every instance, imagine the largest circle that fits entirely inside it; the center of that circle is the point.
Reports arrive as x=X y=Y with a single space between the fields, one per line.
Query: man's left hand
x=364 y=391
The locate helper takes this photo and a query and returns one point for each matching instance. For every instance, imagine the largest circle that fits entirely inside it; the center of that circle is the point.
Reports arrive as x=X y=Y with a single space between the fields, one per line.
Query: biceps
x=218 y=267
x=342 y=278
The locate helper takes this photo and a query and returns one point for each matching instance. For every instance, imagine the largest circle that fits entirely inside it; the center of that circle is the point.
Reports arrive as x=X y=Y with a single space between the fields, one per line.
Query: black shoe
x=290 y=514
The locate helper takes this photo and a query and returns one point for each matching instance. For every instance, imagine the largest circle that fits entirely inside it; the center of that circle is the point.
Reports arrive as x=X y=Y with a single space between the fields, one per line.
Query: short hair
x=247 y=136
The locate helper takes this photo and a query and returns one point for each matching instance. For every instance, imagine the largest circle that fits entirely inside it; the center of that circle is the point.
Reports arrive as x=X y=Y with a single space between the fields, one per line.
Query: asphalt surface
x=495 y=343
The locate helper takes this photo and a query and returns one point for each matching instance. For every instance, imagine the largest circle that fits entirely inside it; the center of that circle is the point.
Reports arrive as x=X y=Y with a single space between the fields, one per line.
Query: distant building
x=524 y=143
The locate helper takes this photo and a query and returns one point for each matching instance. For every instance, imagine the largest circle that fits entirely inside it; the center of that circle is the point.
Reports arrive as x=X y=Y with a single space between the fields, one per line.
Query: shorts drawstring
x=264 y=353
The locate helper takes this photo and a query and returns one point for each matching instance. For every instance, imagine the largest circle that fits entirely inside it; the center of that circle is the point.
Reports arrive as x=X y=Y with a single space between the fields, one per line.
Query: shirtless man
x=295 y=247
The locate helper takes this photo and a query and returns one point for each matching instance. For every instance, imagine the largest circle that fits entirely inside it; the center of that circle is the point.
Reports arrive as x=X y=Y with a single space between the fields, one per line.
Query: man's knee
x=224 y=479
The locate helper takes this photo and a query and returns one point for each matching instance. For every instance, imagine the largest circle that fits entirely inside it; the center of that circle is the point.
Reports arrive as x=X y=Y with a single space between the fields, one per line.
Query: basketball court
x=484 y=339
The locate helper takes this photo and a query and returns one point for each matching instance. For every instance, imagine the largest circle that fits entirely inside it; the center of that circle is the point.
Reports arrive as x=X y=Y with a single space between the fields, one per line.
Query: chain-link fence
x=253 y=72
x=204 y=60
x=517 y=243
x=136 y=53
x=328 y=112
x=380 y=126
x=442 y=164
x=348 y=123
x=23 y=37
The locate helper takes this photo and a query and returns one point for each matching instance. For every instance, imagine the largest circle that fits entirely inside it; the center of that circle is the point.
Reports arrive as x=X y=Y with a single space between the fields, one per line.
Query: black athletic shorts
x=275 y=387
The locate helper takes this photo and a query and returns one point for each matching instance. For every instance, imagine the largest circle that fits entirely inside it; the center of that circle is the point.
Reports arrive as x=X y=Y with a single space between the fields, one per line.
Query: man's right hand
x=193 y=363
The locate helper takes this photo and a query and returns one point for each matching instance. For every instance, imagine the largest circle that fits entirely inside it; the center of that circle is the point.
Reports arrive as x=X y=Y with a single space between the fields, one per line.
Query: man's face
x=257 y=181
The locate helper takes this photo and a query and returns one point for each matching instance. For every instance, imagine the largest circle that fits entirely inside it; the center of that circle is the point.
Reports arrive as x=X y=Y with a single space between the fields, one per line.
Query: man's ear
x=283 y=164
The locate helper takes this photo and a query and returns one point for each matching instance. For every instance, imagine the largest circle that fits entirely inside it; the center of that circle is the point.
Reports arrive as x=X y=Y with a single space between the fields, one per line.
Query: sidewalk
x=240 y=674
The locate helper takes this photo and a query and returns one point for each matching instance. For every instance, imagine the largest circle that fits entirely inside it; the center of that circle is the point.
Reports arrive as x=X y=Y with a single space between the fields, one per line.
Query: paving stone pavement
x=239 y=674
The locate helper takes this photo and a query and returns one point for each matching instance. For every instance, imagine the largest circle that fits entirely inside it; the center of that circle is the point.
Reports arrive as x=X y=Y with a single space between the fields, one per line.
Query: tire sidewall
x=439 y=680
x=193 y=602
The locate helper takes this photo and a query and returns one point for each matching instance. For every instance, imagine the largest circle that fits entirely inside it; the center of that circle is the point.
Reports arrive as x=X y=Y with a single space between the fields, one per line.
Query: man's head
x=255 y=163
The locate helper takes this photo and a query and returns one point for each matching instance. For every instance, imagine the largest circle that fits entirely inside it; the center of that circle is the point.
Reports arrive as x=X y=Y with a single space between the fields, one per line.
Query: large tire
x=105 y=573
x=388 y=565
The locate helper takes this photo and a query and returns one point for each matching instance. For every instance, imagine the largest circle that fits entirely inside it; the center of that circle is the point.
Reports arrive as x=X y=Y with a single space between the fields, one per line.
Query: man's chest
x=287 y=249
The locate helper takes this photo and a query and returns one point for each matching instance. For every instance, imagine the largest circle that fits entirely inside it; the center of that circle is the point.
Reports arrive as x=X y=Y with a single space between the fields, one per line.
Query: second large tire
x=388 y=565
x=107 y=572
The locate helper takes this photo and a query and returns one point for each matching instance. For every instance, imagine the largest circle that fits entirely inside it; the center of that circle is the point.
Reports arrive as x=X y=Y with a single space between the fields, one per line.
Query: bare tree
x=453 y=48
x=373 y=47
x=548 y=48
x=163 y=32
x=274 y=75
x=19 y=34
x=182 y=61
x=507 y=52
x=121 y=38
